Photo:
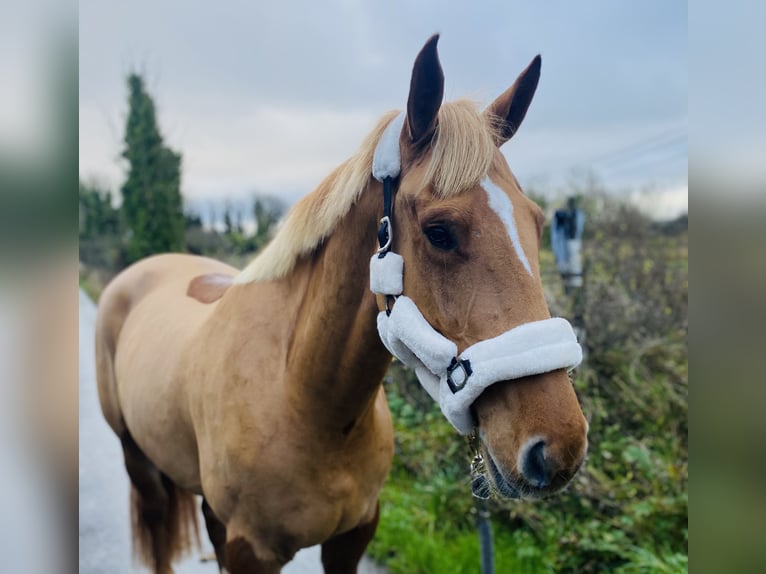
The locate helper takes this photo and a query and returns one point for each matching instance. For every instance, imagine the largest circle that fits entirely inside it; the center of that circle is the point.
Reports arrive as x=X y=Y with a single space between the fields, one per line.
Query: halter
x=454 y=380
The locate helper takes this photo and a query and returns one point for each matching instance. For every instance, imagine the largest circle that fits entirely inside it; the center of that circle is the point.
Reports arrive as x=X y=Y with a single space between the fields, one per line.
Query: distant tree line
x=150 y=217
x=234 y=230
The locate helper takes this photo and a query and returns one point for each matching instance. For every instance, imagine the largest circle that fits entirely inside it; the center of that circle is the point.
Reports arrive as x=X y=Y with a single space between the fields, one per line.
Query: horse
x=260 y=389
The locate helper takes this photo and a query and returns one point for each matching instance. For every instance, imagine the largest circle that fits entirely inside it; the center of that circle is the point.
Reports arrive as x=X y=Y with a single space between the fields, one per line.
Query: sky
x=268 y=97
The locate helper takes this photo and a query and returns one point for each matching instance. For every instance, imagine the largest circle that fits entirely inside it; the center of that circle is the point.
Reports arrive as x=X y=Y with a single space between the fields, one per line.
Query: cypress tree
x=152 y=205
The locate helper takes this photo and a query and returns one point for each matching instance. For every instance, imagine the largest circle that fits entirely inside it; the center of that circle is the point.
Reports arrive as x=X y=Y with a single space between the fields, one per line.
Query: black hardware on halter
x=465 y=366
x=386 y=231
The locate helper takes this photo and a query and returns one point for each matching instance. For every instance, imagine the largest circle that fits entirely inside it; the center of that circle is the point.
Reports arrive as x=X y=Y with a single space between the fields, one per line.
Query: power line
x=647 y=151
x=626 y=168
x=668 y=137
x=664 y=147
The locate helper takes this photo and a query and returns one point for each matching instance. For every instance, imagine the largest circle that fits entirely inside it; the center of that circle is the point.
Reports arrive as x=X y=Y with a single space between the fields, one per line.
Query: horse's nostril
x=534 y=467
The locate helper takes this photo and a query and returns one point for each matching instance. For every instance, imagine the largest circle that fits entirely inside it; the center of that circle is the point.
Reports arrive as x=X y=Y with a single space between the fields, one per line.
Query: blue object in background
x=566 y=242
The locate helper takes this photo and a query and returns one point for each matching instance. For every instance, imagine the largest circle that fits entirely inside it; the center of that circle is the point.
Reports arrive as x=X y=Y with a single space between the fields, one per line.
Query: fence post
x=566 y=242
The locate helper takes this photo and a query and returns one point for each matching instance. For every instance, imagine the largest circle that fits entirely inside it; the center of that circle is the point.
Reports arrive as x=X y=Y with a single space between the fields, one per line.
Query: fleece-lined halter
x=454 y=381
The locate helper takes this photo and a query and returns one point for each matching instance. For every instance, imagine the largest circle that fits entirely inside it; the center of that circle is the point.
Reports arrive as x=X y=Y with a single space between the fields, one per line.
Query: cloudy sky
x=270 y=96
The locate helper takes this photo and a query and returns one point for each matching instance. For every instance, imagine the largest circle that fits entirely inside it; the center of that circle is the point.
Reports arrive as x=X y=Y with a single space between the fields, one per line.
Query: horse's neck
x=335 y=360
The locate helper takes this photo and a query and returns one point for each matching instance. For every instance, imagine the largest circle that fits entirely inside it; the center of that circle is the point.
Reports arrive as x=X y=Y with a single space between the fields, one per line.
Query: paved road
x=104 y=489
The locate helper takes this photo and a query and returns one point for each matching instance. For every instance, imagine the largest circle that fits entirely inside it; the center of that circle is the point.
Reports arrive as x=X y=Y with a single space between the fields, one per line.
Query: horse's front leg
x=341 y=554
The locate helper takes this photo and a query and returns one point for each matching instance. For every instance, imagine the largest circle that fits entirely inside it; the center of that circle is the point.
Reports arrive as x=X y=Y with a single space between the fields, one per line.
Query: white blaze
x=500 y=204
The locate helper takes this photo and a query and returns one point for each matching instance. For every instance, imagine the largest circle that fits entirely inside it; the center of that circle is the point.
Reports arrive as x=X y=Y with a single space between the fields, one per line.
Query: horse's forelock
x=462 y=150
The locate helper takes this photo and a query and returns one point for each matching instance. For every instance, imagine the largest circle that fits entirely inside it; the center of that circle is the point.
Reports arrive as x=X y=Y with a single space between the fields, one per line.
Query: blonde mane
x=460 y=156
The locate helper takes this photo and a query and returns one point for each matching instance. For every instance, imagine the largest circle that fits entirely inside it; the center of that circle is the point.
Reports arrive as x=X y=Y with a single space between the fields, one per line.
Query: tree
x=151 y=196
x=228 y=221
x=98 y=217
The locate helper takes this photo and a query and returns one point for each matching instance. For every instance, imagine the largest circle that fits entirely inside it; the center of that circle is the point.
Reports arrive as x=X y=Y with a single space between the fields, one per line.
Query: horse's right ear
x=210 y=287
x=426 y=94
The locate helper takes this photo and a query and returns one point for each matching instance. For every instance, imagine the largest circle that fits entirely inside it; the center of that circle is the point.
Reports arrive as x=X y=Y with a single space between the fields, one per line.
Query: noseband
x=454 y=380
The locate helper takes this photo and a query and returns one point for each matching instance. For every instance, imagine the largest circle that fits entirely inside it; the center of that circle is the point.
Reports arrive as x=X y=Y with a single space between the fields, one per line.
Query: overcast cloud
x=271 y=96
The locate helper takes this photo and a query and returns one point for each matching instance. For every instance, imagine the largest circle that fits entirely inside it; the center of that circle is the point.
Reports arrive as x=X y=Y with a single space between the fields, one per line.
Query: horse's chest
x=341 y=493
x=342 y=502
x=296 y=509
x=304 y=494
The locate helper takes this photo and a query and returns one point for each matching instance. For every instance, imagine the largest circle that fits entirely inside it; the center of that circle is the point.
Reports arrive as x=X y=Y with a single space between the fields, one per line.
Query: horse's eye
x=440 y=237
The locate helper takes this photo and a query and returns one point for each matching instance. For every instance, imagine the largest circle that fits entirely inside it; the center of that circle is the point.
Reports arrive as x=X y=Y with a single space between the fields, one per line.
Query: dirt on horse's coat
x=261 y=390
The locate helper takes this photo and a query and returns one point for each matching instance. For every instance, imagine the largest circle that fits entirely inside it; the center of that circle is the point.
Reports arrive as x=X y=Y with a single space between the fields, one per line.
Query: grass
x=415 y=537
x=92 y=283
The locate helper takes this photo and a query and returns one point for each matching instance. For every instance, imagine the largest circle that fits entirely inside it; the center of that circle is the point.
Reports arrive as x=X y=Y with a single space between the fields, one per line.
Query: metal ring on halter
x=389 y=230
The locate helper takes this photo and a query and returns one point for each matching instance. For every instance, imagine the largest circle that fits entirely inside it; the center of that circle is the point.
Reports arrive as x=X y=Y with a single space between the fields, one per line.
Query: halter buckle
x=464 y=371
x=385 y=236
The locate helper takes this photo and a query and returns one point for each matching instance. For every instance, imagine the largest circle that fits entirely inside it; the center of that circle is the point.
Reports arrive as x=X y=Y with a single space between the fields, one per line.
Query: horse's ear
x=511 y=107
x=210 y=287
x=426 y=94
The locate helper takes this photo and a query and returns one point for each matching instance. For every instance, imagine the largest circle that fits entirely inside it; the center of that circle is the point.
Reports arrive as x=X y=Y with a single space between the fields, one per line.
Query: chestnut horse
x=261 y=390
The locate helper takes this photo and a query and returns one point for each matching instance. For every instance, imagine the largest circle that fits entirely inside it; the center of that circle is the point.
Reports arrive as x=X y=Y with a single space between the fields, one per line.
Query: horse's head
x=470 y=239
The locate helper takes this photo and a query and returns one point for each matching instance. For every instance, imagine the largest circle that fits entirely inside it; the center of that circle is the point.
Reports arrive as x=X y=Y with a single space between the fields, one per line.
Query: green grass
x=429 y=528
x=415 y=537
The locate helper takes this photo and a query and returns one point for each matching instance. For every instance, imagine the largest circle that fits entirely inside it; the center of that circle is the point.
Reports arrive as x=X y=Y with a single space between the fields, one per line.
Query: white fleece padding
x=407 y=326
x=387 y=160
x=531 y=348
x=387 y=274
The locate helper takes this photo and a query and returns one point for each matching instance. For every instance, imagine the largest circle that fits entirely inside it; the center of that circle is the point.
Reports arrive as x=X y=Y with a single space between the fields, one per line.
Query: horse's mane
x=461 y=153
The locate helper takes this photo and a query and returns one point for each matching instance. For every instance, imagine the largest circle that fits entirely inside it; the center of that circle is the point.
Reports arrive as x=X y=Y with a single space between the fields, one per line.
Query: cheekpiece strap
x=386 y=167
x=385 y=230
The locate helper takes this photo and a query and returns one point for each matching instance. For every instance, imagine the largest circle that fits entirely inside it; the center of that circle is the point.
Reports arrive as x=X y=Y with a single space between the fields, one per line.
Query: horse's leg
x=216 y=531
x=163 y=516
x=341 y=554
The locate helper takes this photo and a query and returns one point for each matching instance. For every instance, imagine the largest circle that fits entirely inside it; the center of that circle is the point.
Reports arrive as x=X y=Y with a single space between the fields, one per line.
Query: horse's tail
x=163 y=515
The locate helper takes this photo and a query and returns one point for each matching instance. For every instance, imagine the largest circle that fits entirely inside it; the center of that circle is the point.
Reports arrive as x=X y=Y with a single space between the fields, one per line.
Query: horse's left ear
x=426 y=94
x=210 y=287
x=511 y=107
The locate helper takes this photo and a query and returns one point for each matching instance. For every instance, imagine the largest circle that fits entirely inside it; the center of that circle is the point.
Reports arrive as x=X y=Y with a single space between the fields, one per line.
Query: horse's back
x=144 y=319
